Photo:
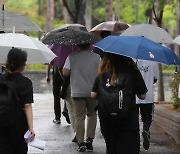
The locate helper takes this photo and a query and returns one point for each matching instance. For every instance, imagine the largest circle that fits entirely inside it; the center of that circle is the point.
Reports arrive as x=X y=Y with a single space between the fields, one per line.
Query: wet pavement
x=58 y=137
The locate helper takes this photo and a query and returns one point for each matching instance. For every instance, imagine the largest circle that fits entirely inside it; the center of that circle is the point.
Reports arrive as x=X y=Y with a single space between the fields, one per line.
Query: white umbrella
x=177 y=40
x=151 y=32
x=36 y=50
x=8 y=20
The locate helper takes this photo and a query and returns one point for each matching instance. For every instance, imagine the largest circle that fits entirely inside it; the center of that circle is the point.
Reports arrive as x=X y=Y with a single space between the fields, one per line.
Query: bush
x=174 y=85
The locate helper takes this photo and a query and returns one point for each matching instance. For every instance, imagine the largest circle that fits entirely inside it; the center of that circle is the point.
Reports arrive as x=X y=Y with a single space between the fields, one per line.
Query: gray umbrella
x=72 y=37
x=11 y=20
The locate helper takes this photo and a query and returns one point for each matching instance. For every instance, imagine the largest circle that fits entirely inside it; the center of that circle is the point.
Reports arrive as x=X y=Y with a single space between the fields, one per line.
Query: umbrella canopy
x=72 y=37
x=74 y=26
x=62 y=52
x=36 y=50
x=112 y=26
x=8 y=20
x=139 y=48
x=177 y=40
x=149 y=31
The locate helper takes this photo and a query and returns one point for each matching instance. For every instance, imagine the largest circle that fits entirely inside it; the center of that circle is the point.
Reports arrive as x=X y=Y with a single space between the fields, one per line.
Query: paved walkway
x=58 y=137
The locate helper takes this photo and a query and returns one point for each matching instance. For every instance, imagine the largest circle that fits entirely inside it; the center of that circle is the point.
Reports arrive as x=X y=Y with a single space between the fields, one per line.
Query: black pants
x=12 y=141
x=57 y=84
x=119 y=141
x=146 y=111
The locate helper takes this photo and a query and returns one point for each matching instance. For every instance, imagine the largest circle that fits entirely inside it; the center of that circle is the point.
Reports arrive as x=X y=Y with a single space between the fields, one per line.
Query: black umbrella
x=74 y=26
x=71 y=37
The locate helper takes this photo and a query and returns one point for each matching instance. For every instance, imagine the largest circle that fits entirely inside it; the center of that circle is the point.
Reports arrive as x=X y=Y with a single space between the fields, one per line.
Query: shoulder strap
x=12 y=85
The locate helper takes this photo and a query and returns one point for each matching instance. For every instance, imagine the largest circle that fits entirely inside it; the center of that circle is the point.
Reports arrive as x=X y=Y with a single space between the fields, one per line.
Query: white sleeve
x=67 y=63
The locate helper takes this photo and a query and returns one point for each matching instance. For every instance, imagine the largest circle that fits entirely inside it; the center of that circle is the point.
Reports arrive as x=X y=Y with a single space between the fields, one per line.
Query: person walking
x=82 y=67
x=12 y=139
x=57 y=84
x=150 y=73
x=119 y=126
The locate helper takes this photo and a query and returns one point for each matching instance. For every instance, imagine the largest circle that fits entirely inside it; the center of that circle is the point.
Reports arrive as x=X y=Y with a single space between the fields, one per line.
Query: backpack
x=116 y=100
x=10 y=107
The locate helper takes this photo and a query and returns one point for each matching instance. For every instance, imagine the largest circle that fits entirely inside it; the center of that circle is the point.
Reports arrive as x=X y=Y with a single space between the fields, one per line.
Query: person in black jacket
x=121 y=132
x=12 y=139
x=57 y=85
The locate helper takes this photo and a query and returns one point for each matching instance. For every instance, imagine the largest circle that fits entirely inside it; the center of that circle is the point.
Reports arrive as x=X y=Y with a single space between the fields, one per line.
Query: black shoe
x=74 y=139
x=146 y=137
x=82 y=147
x=89 y=144
x=66 y=115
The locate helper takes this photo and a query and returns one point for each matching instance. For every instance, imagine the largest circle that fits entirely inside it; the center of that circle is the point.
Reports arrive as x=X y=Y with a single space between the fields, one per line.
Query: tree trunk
x=50 y=15
x=158 y=20
x=70 y=15
x=88 y=17
x=117 y=12
x=67 y=17
x=39 y=8
x=109 y=10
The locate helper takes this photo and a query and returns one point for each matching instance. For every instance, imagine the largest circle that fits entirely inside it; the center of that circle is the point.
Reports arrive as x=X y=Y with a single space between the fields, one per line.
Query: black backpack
x=10 y=107
x=116 y=100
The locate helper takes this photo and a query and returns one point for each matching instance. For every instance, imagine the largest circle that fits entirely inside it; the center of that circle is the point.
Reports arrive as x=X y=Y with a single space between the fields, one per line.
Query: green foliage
x=174 y=85
x=99 y=14
x=127 y=11
x=169 y=17
x=167 y=68
x=98 y=10
x=169 y=12
x=36 y=67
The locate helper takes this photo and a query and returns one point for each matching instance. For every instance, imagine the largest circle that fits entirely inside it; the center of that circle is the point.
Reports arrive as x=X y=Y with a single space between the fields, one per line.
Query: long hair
x=16 y=60
x=114 y=64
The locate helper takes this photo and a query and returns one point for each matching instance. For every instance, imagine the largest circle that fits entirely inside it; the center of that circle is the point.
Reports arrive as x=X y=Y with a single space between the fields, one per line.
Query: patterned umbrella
x=71 y=37
x=55 y=31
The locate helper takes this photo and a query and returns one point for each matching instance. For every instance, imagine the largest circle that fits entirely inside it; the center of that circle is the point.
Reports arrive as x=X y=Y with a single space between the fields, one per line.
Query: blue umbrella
x=138 y=47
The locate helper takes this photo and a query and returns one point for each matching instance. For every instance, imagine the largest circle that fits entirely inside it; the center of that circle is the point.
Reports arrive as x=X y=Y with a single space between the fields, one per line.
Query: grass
x=166 y=68
x=36 y=67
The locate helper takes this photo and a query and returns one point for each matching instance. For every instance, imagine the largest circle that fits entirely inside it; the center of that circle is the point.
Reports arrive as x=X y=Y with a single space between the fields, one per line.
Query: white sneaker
x=57 y=121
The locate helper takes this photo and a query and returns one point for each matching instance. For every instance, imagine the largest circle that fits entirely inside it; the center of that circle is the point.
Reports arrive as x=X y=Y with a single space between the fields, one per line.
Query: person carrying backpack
x=16 y=98
x=116 y=86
